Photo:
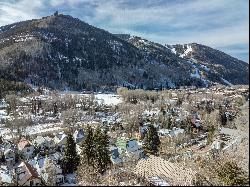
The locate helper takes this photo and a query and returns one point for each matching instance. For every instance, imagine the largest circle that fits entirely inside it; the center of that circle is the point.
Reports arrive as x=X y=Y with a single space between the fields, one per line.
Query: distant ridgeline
x=62 y=52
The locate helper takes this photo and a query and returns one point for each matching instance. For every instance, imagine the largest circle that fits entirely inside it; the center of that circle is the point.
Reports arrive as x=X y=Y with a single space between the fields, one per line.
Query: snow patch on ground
x=173 y=50
x=189 y=49
x=42 y=128
x=197 y=73
x=108 y=99
x=226 y=82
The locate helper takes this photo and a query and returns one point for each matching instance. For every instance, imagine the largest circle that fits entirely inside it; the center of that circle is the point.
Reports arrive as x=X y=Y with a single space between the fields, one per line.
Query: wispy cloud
x=217 y=23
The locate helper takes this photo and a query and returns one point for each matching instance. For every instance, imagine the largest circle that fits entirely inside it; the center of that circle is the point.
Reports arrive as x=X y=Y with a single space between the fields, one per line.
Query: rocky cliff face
x=63 y=52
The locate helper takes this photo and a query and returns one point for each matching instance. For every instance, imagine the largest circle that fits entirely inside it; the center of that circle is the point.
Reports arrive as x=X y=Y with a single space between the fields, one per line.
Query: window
x=31 y=183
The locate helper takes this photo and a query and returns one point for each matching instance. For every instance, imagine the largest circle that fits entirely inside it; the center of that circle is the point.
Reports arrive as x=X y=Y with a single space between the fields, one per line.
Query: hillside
x=65 y=53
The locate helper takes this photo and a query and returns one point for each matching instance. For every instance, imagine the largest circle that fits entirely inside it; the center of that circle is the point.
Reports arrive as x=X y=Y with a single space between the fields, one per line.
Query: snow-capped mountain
x=63 y=52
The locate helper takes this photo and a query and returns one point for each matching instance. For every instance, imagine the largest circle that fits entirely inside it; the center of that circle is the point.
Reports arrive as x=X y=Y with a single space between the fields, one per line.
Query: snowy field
x=101 y=98
x=108 y=99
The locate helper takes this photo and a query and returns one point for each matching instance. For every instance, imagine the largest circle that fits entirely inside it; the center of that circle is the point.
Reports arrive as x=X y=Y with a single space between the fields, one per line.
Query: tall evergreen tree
x=151 y=141
x=102 y=158
x=88 y=148
x=223 y=117
x=71 y=159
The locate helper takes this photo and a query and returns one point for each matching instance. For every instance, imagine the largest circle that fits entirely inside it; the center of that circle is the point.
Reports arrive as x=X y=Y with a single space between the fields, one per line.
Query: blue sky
x=221 y=24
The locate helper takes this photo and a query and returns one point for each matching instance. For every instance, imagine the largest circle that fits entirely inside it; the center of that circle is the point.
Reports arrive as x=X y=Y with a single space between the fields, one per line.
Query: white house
x=26 y=149
x=27 y=175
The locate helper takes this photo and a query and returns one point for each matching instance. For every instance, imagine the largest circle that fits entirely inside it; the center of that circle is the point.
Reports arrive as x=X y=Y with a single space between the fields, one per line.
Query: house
x=45 y=175
x=78 y=136
x=56 y=157
x=129 y=147
x=50 y=144
x=6 y=176
x=216 y=146
x=163 y=132
x=134 y=149
x=26 y=149
x=43 y=143
x=27 y=175
x=60 y=140
x=10 y=157
x=115 y=155
x=40 y=143
x=7 y=153
x=7 y=145
x=59 y=175
x=196 y=122
x=39 y=162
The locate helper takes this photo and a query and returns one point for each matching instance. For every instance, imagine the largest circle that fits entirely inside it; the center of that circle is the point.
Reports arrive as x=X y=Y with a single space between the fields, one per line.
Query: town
x=132 y=137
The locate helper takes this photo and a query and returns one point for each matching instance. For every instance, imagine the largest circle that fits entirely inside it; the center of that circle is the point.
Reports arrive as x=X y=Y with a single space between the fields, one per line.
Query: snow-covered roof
x=23 y=143
x=7 y=151
x=60 y=137
x=132 y=146
x=6 y=175
x=25 y=171
x=164 y=131
x=115 y=155
x=39 y=140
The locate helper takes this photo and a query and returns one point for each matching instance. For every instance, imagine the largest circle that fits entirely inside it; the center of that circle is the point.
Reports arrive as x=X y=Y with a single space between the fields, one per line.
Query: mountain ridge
x=63 y=52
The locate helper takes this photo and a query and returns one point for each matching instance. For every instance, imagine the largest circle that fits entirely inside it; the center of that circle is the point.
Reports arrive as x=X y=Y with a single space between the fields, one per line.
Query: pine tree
x=223 y=117
x=88 y=148
x=70 y=160
x=168 y=122
x=230 y=174
x=102 y=158
x=152 y=141
x=55 y=109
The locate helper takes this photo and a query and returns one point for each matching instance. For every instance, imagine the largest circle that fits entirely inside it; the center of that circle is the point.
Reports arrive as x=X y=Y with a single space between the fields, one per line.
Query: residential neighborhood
x=181 y=119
